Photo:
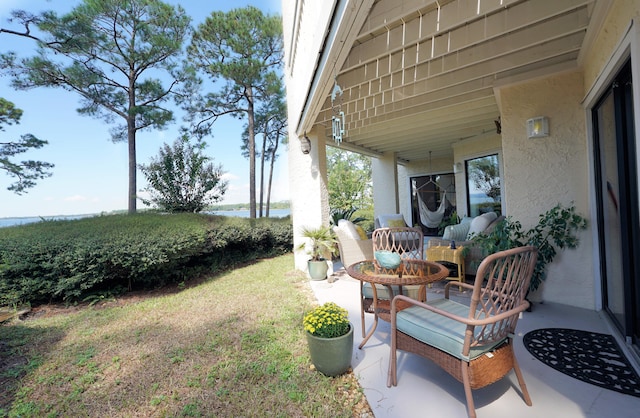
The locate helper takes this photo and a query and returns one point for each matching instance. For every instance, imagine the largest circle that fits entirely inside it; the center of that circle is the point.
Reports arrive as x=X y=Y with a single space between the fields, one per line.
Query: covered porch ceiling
x=421 y=75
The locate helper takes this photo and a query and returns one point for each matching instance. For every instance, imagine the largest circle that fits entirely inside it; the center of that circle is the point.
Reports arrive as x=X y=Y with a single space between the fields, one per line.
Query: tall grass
x=232 y=346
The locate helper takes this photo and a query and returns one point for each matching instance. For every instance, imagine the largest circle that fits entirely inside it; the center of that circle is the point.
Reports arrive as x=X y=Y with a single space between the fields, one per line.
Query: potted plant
x=330 y=338
x=556 y=229
x=321 y=242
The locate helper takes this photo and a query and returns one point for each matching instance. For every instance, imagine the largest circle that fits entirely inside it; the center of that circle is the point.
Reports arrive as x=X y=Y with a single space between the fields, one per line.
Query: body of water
x=33 y=219
x=273 y=213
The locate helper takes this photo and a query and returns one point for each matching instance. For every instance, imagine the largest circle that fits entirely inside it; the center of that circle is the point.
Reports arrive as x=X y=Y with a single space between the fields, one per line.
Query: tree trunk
x=273 y=161
x=262 y=157
x=131 y=140
x=132 y=171
x=252 y=154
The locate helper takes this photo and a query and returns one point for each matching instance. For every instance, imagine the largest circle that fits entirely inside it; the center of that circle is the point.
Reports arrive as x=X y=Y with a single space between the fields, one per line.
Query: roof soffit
x=419 y=78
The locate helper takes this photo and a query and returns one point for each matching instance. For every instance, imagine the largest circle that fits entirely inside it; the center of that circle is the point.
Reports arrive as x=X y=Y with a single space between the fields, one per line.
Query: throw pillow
x=396 y=223
x=361 y=232
x=491 y=216
x=479 y=224
x=349 y=229
x=493 y=224
x=384 y=219
x=457 y=232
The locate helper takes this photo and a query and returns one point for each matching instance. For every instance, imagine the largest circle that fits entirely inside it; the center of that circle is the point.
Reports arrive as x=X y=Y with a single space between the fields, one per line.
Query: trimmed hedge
x=67 y=260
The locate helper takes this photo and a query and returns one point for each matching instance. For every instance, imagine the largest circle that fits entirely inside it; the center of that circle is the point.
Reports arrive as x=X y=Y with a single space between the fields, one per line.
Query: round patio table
x=410 y=272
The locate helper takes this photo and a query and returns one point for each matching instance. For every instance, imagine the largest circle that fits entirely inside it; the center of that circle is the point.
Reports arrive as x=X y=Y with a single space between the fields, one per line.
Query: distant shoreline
x=24 y=220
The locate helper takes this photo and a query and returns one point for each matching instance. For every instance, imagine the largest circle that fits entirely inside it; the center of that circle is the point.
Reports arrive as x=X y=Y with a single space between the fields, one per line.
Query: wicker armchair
x=459 y=338
x=409 y=243
x=352 y=250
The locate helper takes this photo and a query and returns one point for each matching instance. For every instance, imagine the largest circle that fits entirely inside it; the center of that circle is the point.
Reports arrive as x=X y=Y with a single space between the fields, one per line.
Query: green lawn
x=232 y=346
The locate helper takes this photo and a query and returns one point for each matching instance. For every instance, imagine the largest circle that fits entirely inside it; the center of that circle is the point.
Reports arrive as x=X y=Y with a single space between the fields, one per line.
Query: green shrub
x=68 y=260
x=557 y=229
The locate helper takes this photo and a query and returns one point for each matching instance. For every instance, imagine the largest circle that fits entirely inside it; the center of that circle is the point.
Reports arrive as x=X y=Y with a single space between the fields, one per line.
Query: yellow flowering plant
x=327 y=321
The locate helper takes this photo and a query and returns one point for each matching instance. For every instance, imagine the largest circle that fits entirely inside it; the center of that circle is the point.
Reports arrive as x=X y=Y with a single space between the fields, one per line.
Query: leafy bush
x=556 y=229
x=182 y=178
x=68 y=260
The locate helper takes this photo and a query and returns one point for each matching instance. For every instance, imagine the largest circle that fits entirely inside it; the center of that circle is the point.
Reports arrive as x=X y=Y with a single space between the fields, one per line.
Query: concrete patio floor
x=424 y=390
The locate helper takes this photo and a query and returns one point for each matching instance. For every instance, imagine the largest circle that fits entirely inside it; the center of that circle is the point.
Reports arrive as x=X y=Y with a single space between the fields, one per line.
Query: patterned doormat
x=588 y=356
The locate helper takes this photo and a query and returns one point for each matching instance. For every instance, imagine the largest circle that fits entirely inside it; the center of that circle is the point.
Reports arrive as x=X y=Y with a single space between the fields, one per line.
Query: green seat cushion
x=383 y=292
x=439 y=331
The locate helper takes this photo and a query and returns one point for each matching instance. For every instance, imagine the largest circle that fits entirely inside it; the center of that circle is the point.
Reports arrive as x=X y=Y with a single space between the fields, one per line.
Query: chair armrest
x=465 y=320
x=457 y=284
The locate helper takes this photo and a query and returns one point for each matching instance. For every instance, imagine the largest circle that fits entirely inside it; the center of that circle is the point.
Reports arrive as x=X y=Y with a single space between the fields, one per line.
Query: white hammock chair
x=431 y=219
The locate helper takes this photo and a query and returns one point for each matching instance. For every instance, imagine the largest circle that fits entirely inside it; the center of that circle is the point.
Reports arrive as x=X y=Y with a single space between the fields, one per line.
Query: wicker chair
x=459 y=338
x=408 y=242
x=352 y=250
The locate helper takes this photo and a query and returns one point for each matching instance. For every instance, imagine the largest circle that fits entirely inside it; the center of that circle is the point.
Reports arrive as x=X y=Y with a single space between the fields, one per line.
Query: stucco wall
x=384 y=176
x=307 y=183
x=542 y=172
x=304 y=29
x=303 y=34
x=614 y=28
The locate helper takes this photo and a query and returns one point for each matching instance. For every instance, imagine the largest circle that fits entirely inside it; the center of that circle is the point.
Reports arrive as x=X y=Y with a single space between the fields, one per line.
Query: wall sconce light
x=538 y=127
x=305 y=144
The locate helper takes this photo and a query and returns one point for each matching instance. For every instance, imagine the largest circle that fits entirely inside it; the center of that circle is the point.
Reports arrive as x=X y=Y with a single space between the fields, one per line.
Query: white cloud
x=75 y=198
x=229 y=177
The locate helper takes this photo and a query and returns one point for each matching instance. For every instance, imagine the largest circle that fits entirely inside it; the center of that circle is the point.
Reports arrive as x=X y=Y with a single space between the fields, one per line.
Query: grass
x=232 y=346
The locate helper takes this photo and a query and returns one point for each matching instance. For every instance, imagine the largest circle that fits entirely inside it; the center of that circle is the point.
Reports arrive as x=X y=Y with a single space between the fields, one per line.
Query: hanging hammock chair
x=431 y=219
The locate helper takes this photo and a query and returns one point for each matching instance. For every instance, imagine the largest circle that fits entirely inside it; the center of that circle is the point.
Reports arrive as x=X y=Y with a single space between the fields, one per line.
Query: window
x=483 y=185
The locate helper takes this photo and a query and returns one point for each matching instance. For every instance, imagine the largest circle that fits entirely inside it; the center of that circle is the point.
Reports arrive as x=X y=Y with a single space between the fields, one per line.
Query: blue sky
x=90 y=174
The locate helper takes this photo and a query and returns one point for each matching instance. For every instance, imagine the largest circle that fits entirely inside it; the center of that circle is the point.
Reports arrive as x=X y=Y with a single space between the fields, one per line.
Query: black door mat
x=588 y=356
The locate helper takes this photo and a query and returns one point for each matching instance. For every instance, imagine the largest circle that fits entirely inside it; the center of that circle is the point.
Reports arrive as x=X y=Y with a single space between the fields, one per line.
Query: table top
x=446 y=253
x=411 y=271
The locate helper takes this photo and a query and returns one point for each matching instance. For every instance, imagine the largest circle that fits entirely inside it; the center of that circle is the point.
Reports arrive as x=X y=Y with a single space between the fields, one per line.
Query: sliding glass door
x=433 y=202
x=617 y=193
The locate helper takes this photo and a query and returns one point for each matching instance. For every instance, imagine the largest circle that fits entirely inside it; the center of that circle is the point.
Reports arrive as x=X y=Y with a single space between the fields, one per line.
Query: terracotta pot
x=331 y=356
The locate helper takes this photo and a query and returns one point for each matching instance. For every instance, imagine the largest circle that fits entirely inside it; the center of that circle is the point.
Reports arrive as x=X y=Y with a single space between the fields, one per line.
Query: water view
x=4 y=222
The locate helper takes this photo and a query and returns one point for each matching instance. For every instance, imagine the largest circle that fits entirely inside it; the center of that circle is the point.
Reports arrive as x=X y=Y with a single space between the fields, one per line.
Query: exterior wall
x=613 y=30
x=545 y=171
x=304 y=27
x=303 y=37
x=308 y=188
x=384 y=175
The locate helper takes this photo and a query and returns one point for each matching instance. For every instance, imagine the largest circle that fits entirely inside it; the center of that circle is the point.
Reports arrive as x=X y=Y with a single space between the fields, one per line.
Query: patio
x=424 y=389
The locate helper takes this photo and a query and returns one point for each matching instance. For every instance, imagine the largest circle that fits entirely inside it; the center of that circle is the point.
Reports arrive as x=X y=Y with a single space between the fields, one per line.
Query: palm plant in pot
x=321 y=242
x=330 y=338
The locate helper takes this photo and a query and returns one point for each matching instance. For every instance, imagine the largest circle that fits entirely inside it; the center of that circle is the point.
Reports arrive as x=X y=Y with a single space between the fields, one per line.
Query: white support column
x=308 y=189
x=384 y=173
